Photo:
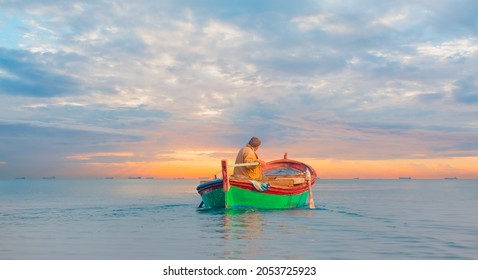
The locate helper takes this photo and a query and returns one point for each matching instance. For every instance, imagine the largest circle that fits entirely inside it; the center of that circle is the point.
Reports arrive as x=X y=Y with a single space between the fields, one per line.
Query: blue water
x=159 y=219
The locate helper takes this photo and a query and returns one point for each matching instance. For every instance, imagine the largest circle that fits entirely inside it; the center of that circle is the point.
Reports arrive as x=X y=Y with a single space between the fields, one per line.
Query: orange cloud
x=94 y=155
x=205 y=166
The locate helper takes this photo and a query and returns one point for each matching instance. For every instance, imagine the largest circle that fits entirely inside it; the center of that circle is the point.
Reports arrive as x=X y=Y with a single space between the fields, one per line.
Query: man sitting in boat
x=248 y=155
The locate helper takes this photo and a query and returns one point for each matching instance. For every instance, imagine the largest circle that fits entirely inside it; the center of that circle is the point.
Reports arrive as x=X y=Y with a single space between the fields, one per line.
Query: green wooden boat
x=288 y=184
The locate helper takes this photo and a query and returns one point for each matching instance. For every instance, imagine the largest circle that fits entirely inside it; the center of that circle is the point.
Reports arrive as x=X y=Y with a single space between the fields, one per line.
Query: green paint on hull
x=238 y=198
x=214 y=199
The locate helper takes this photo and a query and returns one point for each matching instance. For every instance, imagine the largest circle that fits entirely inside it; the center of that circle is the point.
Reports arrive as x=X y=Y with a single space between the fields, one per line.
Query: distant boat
x=134 y=177
x=20 y=178
x=109 y=178
x=404 y=178
x=149 y=178
x=451 y=178
x=49 y=178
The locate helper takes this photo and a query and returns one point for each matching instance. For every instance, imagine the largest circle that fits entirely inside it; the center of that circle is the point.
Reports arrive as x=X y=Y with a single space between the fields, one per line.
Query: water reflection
x=240 y=225
x=243 y=234
x=258 y=234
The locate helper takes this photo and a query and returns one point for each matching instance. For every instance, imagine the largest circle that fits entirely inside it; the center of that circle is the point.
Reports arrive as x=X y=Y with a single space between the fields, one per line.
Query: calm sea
x=159 y=219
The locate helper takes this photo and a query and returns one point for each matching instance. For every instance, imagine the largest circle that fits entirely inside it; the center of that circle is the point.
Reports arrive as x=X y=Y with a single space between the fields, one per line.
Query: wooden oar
x=309 y=184
x=244 y=164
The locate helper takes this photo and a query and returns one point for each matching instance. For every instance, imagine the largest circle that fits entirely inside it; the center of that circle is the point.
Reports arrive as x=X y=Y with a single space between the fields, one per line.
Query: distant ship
x=20 y=178
x=109 y=178
x=149 y=178
x=404 y=178
x=49 y=178
x=451 y=178
x=134 y=177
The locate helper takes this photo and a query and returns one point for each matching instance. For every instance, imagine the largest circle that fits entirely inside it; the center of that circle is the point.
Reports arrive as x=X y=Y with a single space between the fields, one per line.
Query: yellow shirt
x=247 y=155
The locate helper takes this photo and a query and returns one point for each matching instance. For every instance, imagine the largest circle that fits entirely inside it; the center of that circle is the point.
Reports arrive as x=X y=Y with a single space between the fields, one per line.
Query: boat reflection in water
x=251 y=233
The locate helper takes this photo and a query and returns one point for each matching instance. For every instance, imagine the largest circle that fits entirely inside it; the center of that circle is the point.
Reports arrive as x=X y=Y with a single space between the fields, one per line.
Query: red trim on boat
x=289 y=163
x=280 y=190
x=247 y=185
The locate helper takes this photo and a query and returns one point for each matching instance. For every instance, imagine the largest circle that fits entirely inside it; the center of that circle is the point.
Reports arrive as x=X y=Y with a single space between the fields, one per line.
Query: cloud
x=23 y=74
x=23 y=139
x=86 y=157
x=453 y=18
x=42 y=150
x=426 y=98
x=98 y=117
x=455 y=50
x=466 y=91
x=325 y=22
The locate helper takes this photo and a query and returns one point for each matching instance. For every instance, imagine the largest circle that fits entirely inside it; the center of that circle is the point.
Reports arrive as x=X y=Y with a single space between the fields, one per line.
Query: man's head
x=255 y=142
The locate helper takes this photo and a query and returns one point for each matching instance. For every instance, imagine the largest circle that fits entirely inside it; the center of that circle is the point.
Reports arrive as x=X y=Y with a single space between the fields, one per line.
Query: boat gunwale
x=247 y=185
x=273 y=189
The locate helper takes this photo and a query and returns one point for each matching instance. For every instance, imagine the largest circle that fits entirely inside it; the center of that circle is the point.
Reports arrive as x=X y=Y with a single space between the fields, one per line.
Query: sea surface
x=159 y=219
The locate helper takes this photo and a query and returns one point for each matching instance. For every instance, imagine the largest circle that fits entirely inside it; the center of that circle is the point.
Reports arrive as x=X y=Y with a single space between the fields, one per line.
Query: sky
x=367 y=89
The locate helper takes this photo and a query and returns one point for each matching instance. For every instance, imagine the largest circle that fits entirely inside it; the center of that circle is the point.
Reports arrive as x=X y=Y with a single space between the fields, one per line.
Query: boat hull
x=243 y=195
x=212 y=194
x=239 y=198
